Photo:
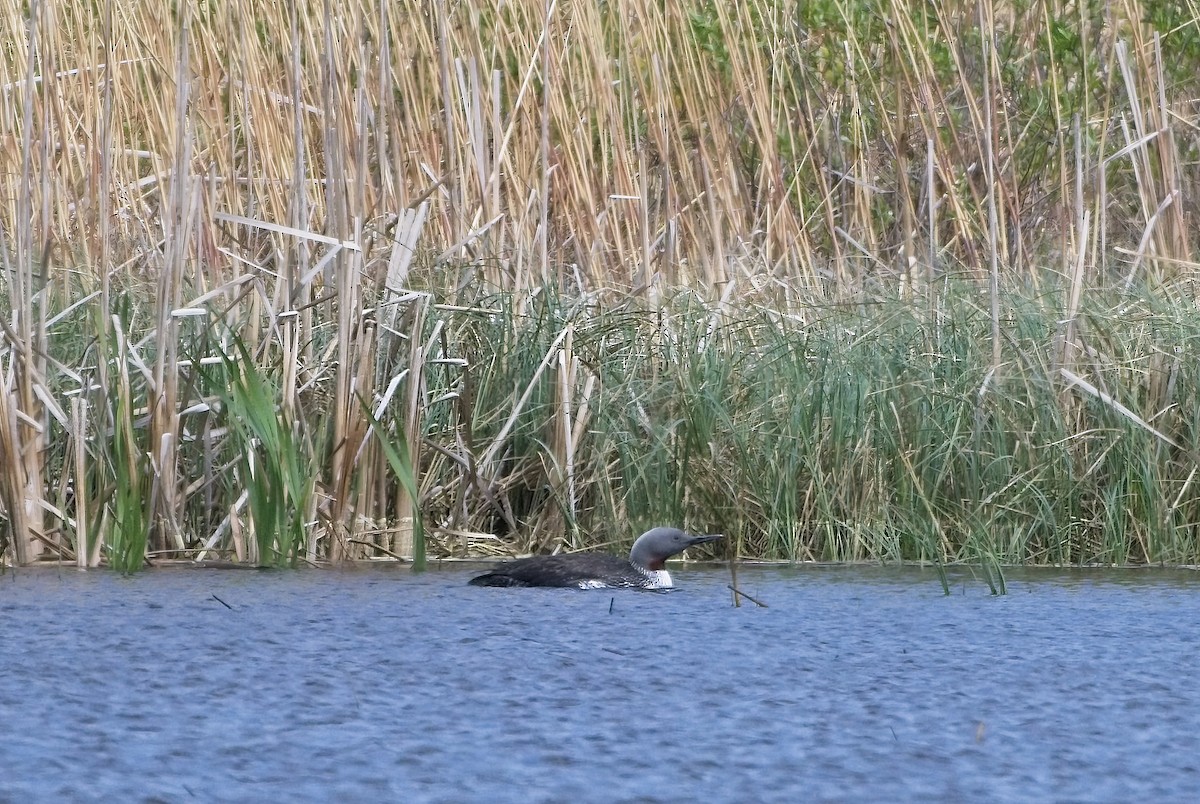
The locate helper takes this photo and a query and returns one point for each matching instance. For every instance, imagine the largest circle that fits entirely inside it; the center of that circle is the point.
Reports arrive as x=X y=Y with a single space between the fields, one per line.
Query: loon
x=643 y=570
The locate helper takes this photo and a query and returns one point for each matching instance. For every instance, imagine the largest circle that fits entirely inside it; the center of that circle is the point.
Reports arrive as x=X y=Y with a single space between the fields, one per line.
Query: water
x=379 y=685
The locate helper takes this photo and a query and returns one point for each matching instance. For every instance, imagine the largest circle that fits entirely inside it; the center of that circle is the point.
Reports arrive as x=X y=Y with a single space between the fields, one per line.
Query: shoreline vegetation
x=846 y=280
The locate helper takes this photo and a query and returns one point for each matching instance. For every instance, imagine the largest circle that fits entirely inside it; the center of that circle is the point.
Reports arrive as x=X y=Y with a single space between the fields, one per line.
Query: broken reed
x=185 y=188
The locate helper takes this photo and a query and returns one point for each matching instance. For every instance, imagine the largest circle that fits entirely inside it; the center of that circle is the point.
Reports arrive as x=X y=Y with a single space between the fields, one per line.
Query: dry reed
x=298 y=179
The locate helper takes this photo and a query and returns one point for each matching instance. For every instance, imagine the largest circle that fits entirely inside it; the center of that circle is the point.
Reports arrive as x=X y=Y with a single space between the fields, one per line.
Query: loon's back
x=580 y=570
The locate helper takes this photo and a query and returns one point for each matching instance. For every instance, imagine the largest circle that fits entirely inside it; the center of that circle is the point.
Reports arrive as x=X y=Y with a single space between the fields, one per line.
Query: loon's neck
x=658 y=579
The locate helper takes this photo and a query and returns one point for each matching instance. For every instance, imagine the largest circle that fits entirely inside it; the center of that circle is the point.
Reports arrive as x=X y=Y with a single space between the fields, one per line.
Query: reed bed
x=853 y=279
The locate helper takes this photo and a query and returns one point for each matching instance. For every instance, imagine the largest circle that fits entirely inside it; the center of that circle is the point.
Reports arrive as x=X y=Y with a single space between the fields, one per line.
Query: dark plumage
x=644 y=569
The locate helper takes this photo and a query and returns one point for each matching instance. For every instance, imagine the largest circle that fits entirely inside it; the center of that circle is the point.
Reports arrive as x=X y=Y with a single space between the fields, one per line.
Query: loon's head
x=655 y=546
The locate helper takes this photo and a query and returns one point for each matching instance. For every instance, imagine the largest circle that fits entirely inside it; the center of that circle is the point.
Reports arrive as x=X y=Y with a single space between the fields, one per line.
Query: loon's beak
x=704 y=538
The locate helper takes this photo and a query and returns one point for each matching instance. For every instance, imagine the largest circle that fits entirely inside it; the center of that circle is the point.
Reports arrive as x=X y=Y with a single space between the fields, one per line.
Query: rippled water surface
x=377 y=684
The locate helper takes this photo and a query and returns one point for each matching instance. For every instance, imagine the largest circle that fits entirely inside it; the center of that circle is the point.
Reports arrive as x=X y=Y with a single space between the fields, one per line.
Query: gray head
x=655 y=546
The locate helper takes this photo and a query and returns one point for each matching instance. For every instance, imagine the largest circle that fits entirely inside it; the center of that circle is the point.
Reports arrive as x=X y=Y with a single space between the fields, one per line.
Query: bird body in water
x=644 y=569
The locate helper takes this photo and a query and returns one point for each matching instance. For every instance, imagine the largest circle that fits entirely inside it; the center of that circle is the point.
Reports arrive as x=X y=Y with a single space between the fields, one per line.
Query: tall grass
x=847 y=278
x=273 y=467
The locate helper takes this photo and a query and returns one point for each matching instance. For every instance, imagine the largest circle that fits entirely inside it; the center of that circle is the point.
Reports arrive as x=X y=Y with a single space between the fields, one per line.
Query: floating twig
x=753 y=600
